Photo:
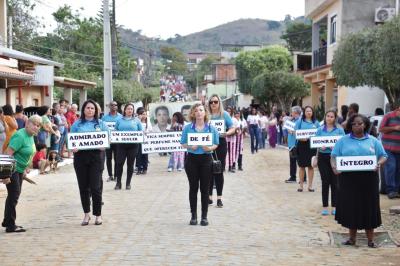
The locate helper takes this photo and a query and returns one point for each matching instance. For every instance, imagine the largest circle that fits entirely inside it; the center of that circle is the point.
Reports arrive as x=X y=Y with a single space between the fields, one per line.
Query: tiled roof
x=11 y=73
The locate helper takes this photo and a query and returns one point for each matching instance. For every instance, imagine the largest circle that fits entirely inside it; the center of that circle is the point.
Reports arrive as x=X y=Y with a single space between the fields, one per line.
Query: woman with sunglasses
x=126 y=151
x=217 y=112
x=358 y=194
x=328 y=178
x=89 y=164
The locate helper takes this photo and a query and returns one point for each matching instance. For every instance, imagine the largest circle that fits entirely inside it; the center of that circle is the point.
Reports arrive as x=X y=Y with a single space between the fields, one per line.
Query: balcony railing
x=319 y=57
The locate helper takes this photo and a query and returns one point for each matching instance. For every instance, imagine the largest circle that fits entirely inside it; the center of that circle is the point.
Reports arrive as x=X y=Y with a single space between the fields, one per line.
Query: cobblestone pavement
x=264 y=222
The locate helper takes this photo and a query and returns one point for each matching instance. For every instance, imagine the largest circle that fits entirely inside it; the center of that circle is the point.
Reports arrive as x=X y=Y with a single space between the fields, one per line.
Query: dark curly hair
x=365 y=120
x=8 y=110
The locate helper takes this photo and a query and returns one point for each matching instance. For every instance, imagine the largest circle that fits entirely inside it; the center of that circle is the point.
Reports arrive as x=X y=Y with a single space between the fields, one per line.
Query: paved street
x=264 y=222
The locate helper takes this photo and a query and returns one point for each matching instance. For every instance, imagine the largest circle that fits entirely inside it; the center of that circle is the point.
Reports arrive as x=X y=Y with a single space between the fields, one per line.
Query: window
x=333 y=29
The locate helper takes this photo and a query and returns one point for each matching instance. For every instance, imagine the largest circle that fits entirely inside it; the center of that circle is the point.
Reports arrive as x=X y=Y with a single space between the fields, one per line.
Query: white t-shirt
x=235 y=122
x=264 y=121
x=253 y=119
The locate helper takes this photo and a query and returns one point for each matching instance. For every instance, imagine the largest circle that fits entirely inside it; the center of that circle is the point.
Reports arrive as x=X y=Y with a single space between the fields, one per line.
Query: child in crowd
x=39 y=160
x=53 y=160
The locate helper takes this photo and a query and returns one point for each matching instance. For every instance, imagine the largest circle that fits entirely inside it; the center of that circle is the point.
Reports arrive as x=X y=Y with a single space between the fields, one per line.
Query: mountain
x=242 y=31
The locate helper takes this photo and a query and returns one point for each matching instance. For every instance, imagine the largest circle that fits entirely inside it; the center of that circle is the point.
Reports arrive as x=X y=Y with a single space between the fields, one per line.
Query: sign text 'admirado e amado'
x=219 y=125
x=356 y=163
x=325 y=141
x=88 y=140
x=305 y=133
x=200 y=139
x=162 y=142
x=126 y=136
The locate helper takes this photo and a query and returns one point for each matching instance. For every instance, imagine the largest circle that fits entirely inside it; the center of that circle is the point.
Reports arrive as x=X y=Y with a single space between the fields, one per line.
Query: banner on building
x=88 y=140
x=162 y=142
x=126 y=137
x=326 y=141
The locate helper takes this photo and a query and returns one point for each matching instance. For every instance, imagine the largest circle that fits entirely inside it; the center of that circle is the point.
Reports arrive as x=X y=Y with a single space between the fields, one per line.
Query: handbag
x=314 y=160
x=216 y=164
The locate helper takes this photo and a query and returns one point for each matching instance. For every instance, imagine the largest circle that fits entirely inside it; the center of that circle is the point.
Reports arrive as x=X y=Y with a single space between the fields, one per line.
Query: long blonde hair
x=221 y=107
x=192 y=115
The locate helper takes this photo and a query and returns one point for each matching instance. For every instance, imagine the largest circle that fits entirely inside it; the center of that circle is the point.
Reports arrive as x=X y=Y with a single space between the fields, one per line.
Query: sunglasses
x=213 y=102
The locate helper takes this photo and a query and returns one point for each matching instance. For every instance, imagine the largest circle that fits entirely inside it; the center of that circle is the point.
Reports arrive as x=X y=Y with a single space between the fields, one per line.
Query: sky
x=165 y=18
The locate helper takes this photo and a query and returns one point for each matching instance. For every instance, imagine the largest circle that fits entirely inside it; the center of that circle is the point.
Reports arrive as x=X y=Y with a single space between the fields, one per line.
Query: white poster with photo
x=200 y=139
x=326 y=141
x=126 y=137
x=219 y=125
x=356 y=163
x=88 y=140
x=162 y=142
x=305 y=133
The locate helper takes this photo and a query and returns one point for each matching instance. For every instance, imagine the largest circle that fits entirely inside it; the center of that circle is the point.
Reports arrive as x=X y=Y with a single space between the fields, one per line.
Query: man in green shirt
x=22 y=147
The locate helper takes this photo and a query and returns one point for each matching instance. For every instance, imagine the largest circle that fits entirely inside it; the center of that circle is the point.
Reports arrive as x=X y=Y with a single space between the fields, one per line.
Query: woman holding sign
x=358 y=193
x=198 y=163
x=89 y=163
x=219 y=115
x=126 y=151
x=328 y=178
x=304 y=152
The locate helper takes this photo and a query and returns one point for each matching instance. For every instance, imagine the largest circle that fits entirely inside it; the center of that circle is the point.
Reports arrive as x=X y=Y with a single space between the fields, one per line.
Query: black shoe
x=144 y=172
x=193 y=220
x=240 y=169
x=210 y=201
x=204 y=221
x=118 y=186
x=128 y=187
x=110 y=178
x=393 y=195
x=219 y=203
x=290 y=180
x=15 y=229
x=139 y=172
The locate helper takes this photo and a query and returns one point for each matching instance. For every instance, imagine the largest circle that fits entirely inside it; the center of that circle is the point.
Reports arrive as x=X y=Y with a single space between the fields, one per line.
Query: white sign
x=219 y=125
x=162 y=142
x=200 y=139
x=356 y=163
x=305 y=133
x=111 y=125
x=289 y=125
x=126 y=136
x=43 y=76
x=326 y=141
x=88 y=140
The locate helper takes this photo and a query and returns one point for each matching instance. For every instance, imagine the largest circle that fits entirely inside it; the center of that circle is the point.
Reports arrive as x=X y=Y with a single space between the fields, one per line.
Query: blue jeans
x=253 y=129
x=41 y=137
x=262 y=139
x=392 y=172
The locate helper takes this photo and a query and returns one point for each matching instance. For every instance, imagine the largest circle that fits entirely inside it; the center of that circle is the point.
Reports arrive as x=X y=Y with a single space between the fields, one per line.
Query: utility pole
x=397 y=7
x=114 y=41
x=108 y=89
x=10 y=32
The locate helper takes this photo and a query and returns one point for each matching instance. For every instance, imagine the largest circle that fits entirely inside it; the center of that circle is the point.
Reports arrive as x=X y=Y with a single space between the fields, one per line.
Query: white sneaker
x=180 y=169
x=169 y=169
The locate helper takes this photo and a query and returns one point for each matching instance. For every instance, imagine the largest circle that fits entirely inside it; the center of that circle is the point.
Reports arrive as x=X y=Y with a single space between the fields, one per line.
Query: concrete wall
x=370 y=100
x=222 y=89
x=359 y=14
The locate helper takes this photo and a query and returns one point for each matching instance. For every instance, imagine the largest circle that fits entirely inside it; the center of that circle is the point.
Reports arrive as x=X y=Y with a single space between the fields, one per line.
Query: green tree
x=298 y=36
x=279 y=86
x=371 y=58
x=253 y=63
x=175 y=60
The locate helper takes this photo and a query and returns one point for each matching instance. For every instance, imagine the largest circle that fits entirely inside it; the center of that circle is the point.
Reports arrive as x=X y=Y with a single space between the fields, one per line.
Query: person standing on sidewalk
x=217 y=112
x=254 y=128
x=22 y=148
x=328 y=177
x=126 y=151
x=358 y=195
x=296 y=113
x=198 y=163
x=112 y=117
x=390 y=129
x=89 y=164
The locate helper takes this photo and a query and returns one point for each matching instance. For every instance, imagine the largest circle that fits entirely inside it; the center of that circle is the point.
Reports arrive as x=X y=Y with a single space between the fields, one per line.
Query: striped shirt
x=391 y=141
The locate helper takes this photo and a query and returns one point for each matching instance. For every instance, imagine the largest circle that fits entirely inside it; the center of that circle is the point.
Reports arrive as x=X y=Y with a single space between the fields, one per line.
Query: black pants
x=126 y=152
x=219 y=178
x=328 y=178
x=142 y=159
x=240 y=161
x=198 y=170
x=13 y=192
x=89 y=166
x=293 y=167
x=110 y=155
